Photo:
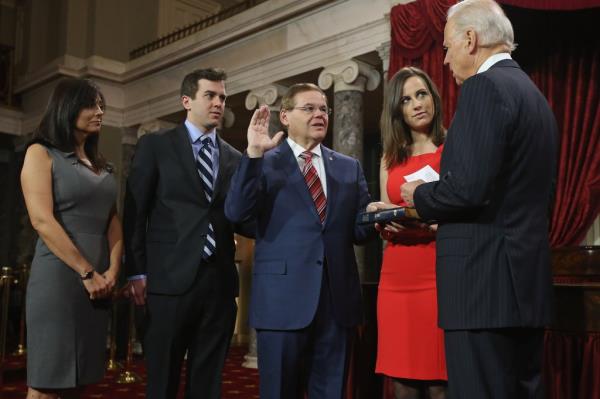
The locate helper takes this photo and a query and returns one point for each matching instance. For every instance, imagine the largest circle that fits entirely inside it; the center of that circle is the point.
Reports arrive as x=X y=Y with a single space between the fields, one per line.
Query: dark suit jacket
x=291 y=242
x=492 y=202
x=167 y=214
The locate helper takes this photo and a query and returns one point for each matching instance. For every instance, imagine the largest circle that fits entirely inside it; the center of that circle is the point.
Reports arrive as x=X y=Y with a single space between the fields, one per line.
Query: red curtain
x=568 y=77
x=571 y=365
x=417 y=36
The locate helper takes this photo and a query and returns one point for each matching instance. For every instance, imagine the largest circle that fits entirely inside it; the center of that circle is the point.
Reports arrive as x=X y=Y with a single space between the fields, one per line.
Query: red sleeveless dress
x=410 y=344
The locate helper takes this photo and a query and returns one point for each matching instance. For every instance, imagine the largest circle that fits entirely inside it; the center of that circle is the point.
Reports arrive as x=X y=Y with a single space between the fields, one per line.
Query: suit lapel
x=288 y=164
x=183 y=149
x=329 y=158
x=224 y=167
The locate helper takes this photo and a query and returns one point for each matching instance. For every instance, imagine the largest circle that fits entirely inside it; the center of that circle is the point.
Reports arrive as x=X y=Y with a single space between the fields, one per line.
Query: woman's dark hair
x=395 y=133
x=57 y=128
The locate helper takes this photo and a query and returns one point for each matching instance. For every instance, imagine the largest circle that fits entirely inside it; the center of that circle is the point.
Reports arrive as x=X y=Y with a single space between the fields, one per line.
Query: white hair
x=487 y=19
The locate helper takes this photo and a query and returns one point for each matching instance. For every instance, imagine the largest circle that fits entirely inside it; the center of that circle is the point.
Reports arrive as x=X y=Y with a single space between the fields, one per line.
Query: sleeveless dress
x=66 y=331
x=410 y=345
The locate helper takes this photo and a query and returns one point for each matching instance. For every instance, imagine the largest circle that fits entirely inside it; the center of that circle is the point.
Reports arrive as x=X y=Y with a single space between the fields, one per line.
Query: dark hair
x=189 y=86
x=288 y=102
x=395 y=133
x=57 y=128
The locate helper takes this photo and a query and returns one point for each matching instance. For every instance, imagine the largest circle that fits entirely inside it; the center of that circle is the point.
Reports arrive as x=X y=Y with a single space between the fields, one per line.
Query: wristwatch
x=87 y=275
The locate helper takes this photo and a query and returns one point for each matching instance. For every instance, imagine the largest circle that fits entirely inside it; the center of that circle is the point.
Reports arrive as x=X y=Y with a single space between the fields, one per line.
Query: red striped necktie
x=314 y=184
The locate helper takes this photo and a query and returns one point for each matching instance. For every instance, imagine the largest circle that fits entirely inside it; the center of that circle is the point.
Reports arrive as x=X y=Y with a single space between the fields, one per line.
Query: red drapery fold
x=571 y=363
x=570 y=79
x=417 y=36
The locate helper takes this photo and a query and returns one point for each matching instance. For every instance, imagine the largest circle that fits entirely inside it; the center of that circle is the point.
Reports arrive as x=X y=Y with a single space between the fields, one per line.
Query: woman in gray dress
x=70 y=193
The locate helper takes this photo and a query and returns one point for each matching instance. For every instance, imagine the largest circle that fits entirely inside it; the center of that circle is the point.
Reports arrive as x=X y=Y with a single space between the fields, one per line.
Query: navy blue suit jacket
x=292 y=244
x=492 y=202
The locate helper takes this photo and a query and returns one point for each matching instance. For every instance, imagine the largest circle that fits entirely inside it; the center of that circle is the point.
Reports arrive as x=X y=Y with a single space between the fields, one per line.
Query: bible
x=399 y=214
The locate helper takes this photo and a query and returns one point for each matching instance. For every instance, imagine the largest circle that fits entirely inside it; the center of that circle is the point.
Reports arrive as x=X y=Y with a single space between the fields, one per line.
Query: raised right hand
x=259 y=141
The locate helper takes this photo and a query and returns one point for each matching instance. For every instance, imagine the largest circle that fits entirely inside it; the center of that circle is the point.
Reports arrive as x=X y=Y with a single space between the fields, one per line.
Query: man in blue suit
x=305 y=297
x=492 y=204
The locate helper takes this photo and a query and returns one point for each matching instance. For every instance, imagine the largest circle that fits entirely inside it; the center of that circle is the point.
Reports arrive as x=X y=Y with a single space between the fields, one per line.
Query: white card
x=426 y=173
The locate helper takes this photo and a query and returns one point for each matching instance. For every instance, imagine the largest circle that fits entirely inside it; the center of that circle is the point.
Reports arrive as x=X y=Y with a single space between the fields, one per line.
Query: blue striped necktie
x=205 y=168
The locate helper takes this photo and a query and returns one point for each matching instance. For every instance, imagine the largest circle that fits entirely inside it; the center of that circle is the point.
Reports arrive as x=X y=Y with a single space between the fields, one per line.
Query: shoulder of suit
x=275 y=152
x=225 y=146
x=334 y=155
x=159 y=133
x=488 y=81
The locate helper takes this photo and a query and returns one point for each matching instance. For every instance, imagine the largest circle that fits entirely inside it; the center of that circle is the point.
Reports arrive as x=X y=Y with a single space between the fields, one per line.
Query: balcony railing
x=6 y=75
x=193 y=28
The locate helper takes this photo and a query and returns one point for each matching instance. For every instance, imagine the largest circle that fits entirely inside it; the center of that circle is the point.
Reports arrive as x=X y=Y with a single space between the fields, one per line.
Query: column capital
x=384 y=53
x=351 y=75
x=270 y=95
x=228 y=117
x=153 y=126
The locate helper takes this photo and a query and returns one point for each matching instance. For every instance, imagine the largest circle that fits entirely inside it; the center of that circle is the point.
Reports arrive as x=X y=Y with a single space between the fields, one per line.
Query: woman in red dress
x=410 y=344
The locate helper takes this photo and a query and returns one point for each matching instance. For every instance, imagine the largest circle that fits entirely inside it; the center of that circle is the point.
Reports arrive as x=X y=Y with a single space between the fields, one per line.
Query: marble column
x=271 y=96
x=350 y=79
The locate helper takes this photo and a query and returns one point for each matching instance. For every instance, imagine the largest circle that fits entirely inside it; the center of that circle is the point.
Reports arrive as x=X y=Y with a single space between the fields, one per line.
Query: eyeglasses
x=310 y=109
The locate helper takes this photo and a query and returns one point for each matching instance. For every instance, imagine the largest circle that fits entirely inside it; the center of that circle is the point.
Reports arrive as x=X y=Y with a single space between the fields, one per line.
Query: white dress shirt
x=317 y=161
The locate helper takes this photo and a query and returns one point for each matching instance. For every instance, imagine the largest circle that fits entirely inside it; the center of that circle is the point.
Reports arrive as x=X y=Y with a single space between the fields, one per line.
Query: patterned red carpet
x=238 y=382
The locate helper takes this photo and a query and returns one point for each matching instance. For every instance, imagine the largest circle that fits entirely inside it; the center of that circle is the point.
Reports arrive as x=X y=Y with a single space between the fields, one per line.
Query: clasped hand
x=100 y=285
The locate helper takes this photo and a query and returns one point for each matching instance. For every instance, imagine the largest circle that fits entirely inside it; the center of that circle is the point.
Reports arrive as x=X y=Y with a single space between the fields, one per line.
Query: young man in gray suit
x=492 y=204
x=179 y=246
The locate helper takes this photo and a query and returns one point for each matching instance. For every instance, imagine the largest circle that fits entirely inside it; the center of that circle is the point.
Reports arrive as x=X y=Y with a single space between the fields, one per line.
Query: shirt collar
x=298 y=149
x=487 y=64
x=195 y=133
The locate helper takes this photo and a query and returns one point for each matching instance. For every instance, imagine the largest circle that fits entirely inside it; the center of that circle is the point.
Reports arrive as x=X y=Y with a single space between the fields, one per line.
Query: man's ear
x=471 y=40
x=283 y=118
x=185 y=101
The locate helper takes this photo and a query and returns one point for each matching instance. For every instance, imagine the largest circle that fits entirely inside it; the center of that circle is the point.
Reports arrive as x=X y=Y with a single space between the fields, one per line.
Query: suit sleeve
x=362 y=233
x=246 y=229
x=139 y=196
x=244 y=191
x=473 y=155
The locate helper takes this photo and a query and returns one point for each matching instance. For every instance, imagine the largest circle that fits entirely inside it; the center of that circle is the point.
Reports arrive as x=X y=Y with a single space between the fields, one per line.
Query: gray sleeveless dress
x=66 y=331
